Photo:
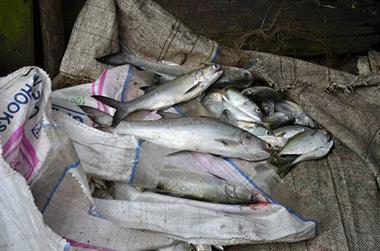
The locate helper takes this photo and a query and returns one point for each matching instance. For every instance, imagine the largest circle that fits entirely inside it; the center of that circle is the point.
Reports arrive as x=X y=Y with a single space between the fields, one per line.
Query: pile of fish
x=243 y=120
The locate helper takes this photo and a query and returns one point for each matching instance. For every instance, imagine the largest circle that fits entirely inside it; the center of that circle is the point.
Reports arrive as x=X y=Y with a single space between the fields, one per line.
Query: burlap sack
x=151 y=32
x=347 y=181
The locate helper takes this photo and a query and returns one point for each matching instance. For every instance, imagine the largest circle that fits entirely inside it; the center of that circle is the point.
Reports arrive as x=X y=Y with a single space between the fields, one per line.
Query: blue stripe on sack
x=81 y=113
x=217 y=53
x=126 y=84
x=177 y=109
x=250 y=180
x=67 y=246
x=136 y=161
x=60 y=180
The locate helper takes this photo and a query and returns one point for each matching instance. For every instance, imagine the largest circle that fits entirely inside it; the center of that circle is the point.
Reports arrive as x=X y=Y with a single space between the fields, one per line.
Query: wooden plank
x=300 y=28
x=16 y=35
x=51 y=21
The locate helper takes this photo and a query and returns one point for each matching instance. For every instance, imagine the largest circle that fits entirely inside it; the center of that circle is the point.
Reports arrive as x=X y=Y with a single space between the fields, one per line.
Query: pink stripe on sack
x=11 y=152
x=97 y=102
x=87 y=245
x=13 y=138
x=27 y=160
x=101 y=82
x=32 y=154
x=102 y=78
x=101 y=86
x=30 y=150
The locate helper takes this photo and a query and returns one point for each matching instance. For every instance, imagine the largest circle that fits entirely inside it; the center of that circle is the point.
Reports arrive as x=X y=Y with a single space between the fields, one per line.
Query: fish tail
x=121 y=110
x=284 y=170
x=281 y=166
x=101 y=118
x=124 y=56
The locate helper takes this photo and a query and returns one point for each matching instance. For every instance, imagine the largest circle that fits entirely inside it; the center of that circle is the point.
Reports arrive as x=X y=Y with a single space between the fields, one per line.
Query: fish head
x=209 y=74
x=200 y=80
x=239 y=194
x=258 y=130
x=244 y=196
x=237 y=75
x=305 y=121
x=252 y=144
x=253 y=108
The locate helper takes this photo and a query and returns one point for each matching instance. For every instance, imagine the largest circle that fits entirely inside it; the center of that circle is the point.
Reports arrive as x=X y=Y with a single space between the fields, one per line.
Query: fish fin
x=227 y=142
x=216 y=176
x=225 y=98
x=168 y=62
x=192 y=88
x=169 y=115
x=101 y=118
x=169 y=151
x=121 y=111
x=281 y=134
x=201 y=97
x=124 y=56
x=207 y=63
x=148 y=88
x=282 y=165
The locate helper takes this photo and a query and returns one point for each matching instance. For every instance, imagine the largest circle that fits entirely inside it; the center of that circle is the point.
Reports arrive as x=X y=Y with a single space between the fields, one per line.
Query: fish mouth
x=217 y=74
x=247 y=75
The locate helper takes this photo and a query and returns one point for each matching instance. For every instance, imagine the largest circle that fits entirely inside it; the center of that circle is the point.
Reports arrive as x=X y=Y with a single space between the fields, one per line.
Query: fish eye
x=269 y=146
x=246 y=75
x=215 y=66
x=267 y=132
x=252 y=197
x=258 y=110
x=248 y=137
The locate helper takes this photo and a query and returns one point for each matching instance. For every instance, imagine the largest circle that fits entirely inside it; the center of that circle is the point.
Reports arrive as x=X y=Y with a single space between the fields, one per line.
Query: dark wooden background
x=36 y=32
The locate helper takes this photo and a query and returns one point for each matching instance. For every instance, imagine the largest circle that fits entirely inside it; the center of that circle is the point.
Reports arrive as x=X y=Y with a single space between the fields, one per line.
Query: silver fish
x=305 y=142
x=315 y=154
x=262 y=93
x=292 y=109
x=218 y=104
x=310 y=144
x=202 y=186
x=168 y=70
x=231 y=113
x=200 y=134
x=236 y=99
x=179 y=90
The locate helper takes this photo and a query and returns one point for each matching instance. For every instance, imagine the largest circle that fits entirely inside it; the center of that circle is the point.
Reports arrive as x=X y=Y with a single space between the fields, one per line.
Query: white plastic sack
x=59 y=185
x=22 y=226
